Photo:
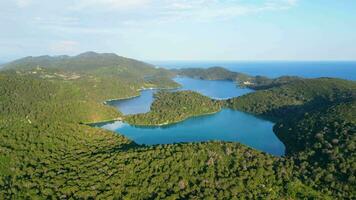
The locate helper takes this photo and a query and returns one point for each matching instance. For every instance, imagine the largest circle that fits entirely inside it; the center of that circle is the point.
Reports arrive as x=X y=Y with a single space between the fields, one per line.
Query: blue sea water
x=307 y=69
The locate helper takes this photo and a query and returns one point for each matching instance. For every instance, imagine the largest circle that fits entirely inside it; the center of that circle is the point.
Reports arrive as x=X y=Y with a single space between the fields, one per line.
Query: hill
x=295 y=97
x=99 y=76
x=83 y=62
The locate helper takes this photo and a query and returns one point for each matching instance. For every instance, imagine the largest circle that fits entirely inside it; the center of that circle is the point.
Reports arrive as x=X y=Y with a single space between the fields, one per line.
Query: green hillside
x=316 y=122
x=281 y=101
x=99 y=76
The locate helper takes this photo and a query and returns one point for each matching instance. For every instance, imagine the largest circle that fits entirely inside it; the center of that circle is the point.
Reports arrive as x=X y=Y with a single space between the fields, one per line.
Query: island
x=173 y=107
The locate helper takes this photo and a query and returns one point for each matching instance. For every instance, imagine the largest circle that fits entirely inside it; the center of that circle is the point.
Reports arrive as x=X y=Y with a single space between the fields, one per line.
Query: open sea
x=307 y=69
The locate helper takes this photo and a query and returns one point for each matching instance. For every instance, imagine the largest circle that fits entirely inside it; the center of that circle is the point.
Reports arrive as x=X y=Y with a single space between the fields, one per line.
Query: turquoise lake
x=226 y=125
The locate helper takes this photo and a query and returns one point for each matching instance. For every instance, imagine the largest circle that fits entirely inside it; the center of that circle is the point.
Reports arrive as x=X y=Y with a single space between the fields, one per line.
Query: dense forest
x=44 y=156
x=46 y=152
x=172 y=107
x=316 y=121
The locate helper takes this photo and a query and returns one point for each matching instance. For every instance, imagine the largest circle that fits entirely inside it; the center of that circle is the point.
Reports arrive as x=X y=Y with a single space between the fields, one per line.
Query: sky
x=181 y=29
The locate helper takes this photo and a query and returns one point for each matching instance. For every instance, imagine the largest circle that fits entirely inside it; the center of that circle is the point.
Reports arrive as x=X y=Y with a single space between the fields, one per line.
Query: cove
x=226 y=125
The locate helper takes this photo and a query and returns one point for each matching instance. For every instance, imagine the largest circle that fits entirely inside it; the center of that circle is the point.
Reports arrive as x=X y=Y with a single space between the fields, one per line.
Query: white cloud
x=23 y=3
x=187 y=8
x=64 y=47
x=110 y=4
x=105 y=17
x=214 y=9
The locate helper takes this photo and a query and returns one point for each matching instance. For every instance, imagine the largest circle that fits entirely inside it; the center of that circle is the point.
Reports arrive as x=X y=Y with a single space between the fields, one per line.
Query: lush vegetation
x=44 y=156
x=60 y=160
x=316 y=122
x=42 y=100
x=99 y=76
x=295 y=98
x=322 y=146
x=172 y=107
x=212 y=73
x=46 y=153
x=261 y=82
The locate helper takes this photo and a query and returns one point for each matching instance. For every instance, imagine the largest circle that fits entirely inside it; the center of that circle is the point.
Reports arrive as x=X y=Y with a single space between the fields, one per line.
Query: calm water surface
x=227 y=125
x=213 y=89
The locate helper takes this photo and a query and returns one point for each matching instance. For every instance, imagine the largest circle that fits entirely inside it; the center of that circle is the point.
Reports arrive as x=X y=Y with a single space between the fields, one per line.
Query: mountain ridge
x=82 y=61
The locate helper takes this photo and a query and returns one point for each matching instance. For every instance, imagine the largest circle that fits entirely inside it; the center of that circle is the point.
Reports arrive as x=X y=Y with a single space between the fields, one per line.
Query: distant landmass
x=85 y=61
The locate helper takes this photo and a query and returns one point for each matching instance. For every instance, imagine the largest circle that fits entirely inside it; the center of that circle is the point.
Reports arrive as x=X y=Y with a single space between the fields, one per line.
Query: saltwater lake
x=227 y=125
x=213 y=89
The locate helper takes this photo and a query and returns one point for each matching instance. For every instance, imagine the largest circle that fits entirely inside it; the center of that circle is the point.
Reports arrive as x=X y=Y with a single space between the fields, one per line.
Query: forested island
x=46 y=152
x=173 y=107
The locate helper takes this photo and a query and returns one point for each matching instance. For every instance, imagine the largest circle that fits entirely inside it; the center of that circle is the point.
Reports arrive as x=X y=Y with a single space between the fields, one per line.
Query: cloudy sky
x=181 y=29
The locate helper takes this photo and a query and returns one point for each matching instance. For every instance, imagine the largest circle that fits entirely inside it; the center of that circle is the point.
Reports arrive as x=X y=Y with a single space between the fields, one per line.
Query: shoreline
x=139 y=90
x=126 y=98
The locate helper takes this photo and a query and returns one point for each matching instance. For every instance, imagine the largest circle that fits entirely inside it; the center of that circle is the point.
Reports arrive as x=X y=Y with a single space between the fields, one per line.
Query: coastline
x=127 y=98
x=140 y=90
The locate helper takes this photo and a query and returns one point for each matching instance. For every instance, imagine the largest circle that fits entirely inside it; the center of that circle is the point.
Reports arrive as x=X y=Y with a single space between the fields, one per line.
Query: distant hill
x=212 y=73
x=103 y=76
x=243 y=80
x=82 y=62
